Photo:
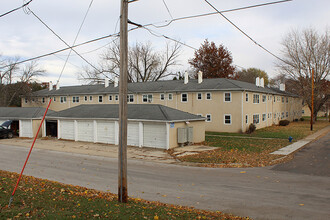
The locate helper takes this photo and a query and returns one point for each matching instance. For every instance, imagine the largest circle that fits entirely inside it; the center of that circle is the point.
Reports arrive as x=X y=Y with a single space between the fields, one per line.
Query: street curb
x=301 y=143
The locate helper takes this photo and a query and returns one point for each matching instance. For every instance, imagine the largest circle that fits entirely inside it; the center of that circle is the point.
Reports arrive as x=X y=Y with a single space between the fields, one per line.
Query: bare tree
x=144 y=63
x=303 y=52
x=15 y=79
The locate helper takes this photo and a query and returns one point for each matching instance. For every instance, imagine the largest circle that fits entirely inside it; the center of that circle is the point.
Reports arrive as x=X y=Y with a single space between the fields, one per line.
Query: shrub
x=251 y=128
x=302 y=119
x=284 y=123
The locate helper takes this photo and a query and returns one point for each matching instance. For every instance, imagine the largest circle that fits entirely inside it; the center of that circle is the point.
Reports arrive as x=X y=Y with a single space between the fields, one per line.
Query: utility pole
x=312 y=100
x=122 y=152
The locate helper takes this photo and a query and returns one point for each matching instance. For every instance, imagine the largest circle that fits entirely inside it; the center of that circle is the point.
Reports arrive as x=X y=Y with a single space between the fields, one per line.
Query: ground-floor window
x=264 y=117
x=256 y=119
x=208 y=117
x=246 y=119
x=227 y=119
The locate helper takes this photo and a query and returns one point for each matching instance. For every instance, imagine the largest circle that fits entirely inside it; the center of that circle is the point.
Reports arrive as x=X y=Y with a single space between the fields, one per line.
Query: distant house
x=228 y=105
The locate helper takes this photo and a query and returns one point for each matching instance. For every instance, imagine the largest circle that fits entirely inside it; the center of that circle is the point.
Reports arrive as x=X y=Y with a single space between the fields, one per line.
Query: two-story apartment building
x=228 y=105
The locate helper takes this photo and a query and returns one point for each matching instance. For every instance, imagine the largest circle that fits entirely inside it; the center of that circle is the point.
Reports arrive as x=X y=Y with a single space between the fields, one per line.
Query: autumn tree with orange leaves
x=213 y=61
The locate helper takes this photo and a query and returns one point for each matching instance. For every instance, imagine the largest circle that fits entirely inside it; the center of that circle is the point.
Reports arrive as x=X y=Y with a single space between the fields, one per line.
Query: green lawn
x=249 y=150
x=43 y=199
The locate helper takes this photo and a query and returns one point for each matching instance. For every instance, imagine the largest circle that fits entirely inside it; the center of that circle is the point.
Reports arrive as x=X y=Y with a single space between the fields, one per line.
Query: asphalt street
x=260 y=193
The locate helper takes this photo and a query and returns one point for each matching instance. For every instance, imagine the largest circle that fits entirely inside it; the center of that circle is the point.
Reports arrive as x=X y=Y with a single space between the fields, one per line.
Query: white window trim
x=210 y=96
x=262 y=117
x=210 y=117
x=75 y=98
x=224 y=97
x=197 y=96
x=187 y=97
x=62 y=97
x=262 y=97
x=85 y=98
x=90 y=98
x=116 y=97
x=224 y=119
x=168 y=96
x=247 y=117
x=110 y=99
x=160 y=96
x=99 y=98
x=253 y=98
x=148 y=101
x=253 y=118
x=128 y=98
x=247 y=95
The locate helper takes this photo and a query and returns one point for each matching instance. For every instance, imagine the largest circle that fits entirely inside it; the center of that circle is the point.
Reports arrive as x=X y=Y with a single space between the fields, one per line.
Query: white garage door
x=154 y=135
x=25 y=129
x=67 y=129
x=106 y=132
x=85 y=131
x=133 y=134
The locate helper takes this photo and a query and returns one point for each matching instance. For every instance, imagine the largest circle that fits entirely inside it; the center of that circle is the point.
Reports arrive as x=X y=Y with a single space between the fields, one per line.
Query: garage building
x=152 y=125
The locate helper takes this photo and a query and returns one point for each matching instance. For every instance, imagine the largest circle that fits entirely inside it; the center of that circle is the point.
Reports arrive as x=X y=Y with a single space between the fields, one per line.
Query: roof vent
x=282 y=87
x=200 y=77
x=258 y=81
x=50 y=85
x=106 y=82
x=186 y=77
x=262 y=82
x=116 y=82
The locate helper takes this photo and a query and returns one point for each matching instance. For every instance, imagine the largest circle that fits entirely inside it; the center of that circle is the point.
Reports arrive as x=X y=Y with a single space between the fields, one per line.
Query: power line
x=242 y=31
x=214 y=13
x=26 y=4
x=70 y=47
x=74 y=42
x=168 y=10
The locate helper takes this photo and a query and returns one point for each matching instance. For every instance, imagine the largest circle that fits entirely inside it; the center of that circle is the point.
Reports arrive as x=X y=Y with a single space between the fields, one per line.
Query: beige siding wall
x=199 y=132
x=216 y=107
x=35 y=127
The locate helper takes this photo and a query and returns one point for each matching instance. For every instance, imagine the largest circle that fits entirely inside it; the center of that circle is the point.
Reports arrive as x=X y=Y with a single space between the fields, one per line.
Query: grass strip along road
x=236 y=151
x=38 y=198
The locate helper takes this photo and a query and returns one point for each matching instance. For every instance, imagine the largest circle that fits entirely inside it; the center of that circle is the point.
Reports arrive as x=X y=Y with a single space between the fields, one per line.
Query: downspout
x=242 y=108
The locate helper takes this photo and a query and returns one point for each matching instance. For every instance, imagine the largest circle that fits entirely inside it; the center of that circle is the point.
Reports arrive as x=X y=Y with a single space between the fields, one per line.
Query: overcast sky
x=24 y=36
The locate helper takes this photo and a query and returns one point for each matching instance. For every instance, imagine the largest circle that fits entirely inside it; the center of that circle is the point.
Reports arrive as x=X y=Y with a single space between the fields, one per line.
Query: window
x=255 y=98
x=227 y=119
x=184 y=97
x=130 y=98
x=287 y=114
x=246 y=119
x=264 y=98
x=100 y=98
x=227 y=97
x=199 y=96
x=274 y=98
x=43 y=100
x=208 y=96
x=303 y=111
x=85 y=98
x=287 y=100
x=162 y=96
x=25 y=100
x=264 y=117
x=246 y=97
x=282 y=115
x=208 y=118
x=256 y=119
x=147 y=98
x=270 y=115
x=90 y=98
x=269 y=97
x=63 y=99
x=110 y=97
x=54 y=98
x=75 y=99
x=282 y=99
x=32 y=99
x=116 y=97
x=170 y=96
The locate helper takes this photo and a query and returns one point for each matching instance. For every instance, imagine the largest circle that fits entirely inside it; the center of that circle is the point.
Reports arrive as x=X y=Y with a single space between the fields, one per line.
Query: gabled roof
x=150 y=112
x=14 y=113
x=217 y=84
